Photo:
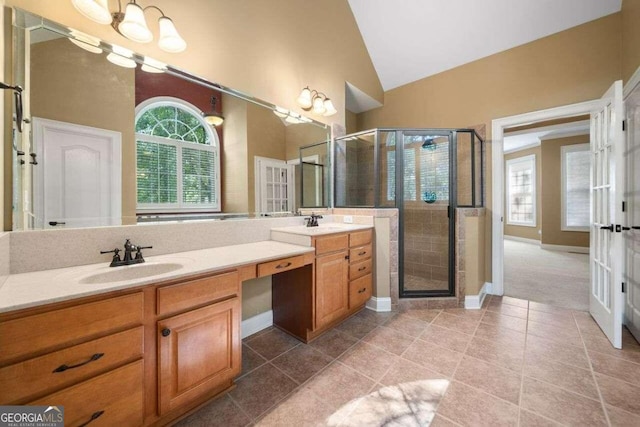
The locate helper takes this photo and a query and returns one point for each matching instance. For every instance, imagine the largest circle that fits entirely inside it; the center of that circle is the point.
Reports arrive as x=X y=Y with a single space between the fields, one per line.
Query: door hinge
x=624 y=288
x=624 y=125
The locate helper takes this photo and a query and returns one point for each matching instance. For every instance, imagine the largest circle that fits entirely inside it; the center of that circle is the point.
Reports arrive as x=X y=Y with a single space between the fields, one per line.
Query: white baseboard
x=561 y=248
x=379 y=304
x=474 y=302
x=521 y=239
x=257 y=323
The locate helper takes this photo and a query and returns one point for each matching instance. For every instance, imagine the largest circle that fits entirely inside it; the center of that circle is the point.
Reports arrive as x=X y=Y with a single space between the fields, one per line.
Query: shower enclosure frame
x=452 y=134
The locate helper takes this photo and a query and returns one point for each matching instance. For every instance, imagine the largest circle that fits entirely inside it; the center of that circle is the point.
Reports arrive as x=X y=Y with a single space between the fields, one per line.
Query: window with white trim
x=177 y=158
x=521 y=191
x=576 y=173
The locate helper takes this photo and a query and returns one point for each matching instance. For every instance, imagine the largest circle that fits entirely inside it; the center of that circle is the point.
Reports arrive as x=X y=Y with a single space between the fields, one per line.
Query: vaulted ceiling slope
x=409 y=40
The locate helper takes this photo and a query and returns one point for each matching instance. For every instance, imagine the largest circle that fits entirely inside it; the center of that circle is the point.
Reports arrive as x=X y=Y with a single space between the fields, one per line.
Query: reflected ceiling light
x=150 y=65
x=85 y=41
x=293 y=118
x=281 y=112
x=290 y=116
x=318 y=102
x=213 y=117
x=122 y=57
x=132 y=24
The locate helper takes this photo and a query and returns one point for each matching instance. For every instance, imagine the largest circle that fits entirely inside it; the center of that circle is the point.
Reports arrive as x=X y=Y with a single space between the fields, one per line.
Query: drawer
x=360 y=238
x=332 y=243
x=112 y=399
x=278 y=266
x=41 y=332
x=358 y=254
x=359 y=269
x=28 y=379
x=360 y=291
x=174 y=298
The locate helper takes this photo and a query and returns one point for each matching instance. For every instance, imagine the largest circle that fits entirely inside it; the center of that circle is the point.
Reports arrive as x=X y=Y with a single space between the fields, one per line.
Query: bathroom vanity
x=117 y=349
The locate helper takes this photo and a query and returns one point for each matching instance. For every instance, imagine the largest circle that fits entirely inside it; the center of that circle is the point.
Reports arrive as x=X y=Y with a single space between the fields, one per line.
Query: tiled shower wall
x=426 y=242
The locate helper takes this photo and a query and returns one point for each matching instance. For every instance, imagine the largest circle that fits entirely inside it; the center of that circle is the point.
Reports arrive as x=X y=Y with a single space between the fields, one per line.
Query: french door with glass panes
x=274 y=186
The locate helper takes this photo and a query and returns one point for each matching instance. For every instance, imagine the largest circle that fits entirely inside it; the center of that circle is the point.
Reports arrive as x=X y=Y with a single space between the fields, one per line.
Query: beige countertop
x=301 y=234
x=43 y=287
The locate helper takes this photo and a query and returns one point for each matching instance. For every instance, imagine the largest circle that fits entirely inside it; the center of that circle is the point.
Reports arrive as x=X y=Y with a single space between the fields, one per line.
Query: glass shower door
x=427 y=228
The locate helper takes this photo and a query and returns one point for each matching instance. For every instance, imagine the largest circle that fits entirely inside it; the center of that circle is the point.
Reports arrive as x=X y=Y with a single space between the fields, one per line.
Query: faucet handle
x=139 y=252
x=116 y=256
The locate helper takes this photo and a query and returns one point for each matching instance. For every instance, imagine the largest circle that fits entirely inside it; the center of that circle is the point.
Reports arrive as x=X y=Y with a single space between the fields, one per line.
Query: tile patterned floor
x=513 y=363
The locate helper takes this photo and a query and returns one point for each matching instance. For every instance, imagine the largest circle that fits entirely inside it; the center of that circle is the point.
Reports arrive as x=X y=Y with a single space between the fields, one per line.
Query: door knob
x=166 y=332
x=607 y=227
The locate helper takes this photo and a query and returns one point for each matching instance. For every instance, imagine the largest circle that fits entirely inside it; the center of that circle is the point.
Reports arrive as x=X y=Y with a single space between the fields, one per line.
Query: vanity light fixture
x=150 y=65
x=122 y=57
x=85 y=41
x=318 y=102
x=213 y=117
x=132 y=24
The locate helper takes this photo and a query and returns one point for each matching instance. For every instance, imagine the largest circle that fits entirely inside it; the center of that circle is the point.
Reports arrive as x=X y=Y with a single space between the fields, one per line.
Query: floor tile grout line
x=240 y=408
x=593 y=375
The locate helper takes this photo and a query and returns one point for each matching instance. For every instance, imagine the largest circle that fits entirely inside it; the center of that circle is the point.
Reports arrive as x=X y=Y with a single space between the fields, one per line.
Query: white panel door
x=77 y=182
x=632 y=197
x=607 y=186
x=274 y=186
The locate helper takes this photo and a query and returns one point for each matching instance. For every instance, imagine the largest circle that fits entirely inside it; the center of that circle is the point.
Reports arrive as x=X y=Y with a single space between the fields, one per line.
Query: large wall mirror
x=126 y=140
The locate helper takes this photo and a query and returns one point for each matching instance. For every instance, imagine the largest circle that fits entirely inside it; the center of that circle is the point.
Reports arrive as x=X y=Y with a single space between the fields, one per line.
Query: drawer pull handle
x=362 y=268
x=63 y=368
x=166 y=332
x=285 y=265
x=94 y=417
x=362 y=290
x=362 y=253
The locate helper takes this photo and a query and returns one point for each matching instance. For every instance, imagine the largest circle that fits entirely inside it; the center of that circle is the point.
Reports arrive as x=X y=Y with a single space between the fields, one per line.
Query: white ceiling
x=520 y=140
x=412 y=39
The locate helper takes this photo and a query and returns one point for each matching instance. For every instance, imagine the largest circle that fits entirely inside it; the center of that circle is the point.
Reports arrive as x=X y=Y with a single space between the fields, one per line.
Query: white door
x=274 y=186
x=632 y=236
x=607 y=187
x=77 y=181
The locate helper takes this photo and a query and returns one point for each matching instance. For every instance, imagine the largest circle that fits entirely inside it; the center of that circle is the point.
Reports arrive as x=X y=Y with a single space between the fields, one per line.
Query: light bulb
x=134 y=26
x=150 y=65
x=330 y=110
x=85 y=41
x=170 y=41
x=304 y=99
x=122 y=57
x=318 y=105
x=96 y=10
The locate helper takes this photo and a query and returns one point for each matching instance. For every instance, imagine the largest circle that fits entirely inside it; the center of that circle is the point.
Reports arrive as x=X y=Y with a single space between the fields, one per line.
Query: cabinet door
x=332 y=288
x=198 y=350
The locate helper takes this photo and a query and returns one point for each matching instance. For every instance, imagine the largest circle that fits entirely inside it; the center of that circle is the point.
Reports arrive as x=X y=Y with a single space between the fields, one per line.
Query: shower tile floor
x=416 y=283
x=512 y=363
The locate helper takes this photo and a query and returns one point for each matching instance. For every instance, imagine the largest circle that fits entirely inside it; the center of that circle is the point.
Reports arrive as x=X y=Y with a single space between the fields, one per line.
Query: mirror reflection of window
x=177 y=158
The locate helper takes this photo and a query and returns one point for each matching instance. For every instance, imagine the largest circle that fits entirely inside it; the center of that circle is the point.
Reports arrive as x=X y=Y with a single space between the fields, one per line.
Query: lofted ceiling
x=412 y=39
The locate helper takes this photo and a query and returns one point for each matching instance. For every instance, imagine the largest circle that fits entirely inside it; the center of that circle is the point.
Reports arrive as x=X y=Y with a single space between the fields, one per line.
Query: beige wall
x=552 y=194
x=235 y=189
x=351 y=122
x=630 y=38
x=269 y=49
x=265 y=138
x=518 y=230
x=575 y=65
x=300 y=135
x=103 y=98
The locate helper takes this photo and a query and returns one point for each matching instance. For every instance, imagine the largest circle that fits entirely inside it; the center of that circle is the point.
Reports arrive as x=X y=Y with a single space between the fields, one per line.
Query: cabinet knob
x=166 y=332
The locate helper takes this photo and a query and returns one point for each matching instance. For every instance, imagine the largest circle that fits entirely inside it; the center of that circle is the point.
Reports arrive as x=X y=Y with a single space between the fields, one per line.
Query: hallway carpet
x=544 y=276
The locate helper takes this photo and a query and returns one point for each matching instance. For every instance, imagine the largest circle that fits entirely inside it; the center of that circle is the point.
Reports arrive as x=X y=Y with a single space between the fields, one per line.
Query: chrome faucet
x=312 y=220
x=128 y=259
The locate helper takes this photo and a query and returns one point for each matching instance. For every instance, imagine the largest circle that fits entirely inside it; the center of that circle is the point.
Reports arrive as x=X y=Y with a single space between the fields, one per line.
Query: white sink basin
x=131 y=272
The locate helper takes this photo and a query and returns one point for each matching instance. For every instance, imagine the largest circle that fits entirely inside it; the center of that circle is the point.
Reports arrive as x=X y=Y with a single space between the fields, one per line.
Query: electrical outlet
x=348 y=219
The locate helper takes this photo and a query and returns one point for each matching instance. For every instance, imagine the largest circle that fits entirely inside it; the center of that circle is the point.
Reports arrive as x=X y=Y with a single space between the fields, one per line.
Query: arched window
x=177 y=158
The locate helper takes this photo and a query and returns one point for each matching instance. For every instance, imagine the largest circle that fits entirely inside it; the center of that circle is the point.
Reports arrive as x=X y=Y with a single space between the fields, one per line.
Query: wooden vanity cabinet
x=342 y=284
x=87 y=357
x=199 y=349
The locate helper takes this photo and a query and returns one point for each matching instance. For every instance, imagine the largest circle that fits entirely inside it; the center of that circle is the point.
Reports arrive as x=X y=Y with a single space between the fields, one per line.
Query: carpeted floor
x=549 y=277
